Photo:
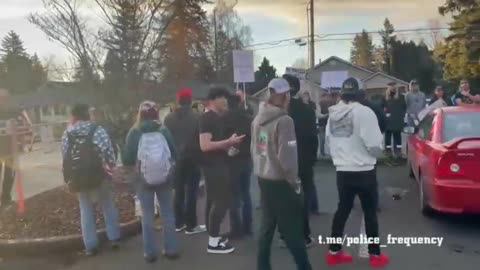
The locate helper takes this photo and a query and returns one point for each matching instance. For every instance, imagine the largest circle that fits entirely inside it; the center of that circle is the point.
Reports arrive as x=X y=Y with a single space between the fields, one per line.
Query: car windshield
x=463 y=124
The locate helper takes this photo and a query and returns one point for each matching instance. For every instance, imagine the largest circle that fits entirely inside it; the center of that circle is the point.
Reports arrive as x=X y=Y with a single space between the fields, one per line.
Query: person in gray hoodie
x=416 y=101
x=274 y=154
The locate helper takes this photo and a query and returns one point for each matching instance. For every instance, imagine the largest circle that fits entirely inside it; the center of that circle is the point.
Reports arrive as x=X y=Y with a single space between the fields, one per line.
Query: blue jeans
x=241 y=210
x=104 y=196
x=147 y=202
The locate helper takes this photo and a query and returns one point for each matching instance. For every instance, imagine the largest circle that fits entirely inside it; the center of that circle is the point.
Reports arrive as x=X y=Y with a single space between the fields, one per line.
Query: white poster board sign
x=243 y=67
x=297 y=72
x=333 y=79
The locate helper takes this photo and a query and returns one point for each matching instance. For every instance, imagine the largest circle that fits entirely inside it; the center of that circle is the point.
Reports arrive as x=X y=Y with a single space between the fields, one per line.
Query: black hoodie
x=183 y=124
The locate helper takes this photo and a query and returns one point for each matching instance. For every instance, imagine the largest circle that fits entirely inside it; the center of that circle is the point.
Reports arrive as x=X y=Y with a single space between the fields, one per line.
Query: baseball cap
x=185 y=93
x=350 y=85
x=279 y=85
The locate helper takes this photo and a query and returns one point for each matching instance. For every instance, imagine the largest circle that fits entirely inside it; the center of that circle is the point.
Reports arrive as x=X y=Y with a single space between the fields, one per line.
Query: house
x=329 y=75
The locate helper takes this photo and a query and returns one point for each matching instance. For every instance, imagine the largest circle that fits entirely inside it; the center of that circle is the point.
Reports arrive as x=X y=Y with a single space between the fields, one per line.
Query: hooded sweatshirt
x=274 y=146
x=183 y=124
x=416 y=102
x=353 y=137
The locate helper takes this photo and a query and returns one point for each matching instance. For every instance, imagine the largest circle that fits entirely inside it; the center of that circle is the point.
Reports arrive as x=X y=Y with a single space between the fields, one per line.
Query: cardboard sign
x=243 y=67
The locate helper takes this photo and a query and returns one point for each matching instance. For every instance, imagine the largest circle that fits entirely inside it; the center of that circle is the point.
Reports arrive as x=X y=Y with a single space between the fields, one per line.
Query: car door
x=423 y=144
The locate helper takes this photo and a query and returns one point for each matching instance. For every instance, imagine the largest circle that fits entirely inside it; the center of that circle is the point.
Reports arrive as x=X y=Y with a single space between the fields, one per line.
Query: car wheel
x=424 y=205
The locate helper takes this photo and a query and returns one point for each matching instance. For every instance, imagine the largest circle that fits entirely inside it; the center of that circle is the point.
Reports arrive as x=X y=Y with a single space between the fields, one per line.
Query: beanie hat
x=148 y=110
x=350 y=86
x=294 y=83
x=184 y=94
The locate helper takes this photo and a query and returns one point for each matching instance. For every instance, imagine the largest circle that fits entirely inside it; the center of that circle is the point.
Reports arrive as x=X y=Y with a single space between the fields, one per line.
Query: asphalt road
x=460 y=249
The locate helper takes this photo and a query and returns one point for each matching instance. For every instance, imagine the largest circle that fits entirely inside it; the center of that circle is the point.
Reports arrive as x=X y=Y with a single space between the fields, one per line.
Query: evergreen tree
x=362 y=51
x=387 y=39
x=263 y=76
x=184 y=52
x=12 y=44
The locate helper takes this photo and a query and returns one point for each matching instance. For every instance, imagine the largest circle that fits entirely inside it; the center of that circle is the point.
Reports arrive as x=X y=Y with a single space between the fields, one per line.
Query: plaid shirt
x=100 y=139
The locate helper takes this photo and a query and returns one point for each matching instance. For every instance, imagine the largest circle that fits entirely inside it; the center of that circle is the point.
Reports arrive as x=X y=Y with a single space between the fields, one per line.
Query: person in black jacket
x=304 y=119
x=382 y=121
x=239 y=121
x=395 y=109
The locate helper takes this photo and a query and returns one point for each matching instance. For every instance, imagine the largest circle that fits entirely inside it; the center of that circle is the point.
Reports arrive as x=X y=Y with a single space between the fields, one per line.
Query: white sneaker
x=181 y=228
x=221 y=248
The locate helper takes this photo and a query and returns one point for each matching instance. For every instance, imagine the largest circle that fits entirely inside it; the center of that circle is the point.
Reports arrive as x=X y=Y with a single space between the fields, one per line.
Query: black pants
x=281 y=207
x=241 y=208
x=7 y=185
x=397 y=140
x=219 y=196
x=351 y=184
x=187 y=179
x=309 y=195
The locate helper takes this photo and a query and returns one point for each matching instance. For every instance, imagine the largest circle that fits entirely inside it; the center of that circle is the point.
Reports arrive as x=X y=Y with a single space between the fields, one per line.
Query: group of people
x=397 y=110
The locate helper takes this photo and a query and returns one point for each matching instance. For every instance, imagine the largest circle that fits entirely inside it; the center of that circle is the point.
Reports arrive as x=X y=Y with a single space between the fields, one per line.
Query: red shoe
x=379 y=261
x=338 y=258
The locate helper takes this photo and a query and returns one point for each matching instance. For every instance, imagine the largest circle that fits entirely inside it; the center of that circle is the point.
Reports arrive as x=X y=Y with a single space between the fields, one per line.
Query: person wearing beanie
x=147 y=123
x=304 y=118
x=416 y=102
x=354 y=142
x=275 y=162
x=183 y=124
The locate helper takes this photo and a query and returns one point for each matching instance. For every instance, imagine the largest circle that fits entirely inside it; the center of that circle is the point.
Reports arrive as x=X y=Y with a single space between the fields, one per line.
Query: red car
x=444 y=157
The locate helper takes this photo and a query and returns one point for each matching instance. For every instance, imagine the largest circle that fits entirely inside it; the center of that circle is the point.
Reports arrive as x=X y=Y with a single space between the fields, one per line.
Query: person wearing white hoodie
x=354 y=141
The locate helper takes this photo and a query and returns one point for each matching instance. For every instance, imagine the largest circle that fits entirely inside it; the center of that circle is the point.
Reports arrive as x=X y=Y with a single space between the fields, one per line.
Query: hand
x=235 y=139
x=465 y=93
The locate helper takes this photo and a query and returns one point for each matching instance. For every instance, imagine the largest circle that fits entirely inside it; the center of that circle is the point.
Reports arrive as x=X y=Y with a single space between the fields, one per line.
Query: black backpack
x=82 y=165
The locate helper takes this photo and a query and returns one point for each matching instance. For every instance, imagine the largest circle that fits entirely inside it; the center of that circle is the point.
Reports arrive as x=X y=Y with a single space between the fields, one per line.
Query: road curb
x=59 y=244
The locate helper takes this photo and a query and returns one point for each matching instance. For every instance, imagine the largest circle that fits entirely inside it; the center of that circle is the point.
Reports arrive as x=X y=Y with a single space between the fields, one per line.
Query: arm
x=370 y=133
x=102 y=140
x=129 y=157
x=327 y=138
x=287 y=150
x=207 y=145
x=168 y=136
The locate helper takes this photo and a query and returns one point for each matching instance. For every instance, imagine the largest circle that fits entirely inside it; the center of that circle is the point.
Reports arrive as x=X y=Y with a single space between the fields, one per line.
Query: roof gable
x=344 y=62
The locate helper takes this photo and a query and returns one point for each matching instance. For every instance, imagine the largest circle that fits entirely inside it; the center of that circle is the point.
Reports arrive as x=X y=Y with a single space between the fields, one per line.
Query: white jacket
x=353 y=137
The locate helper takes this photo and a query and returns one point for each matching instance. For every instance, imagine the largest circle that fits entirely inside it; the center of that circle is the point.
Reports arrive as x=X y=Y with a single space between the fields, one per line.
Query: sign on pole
x=243 y=67
x=300 y=73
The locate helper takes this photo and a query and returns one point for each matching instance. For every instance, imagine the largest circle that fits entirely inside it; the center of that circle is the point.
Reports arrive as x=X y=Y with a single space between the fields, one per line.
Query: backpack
x=82 y=165
x=155 y=158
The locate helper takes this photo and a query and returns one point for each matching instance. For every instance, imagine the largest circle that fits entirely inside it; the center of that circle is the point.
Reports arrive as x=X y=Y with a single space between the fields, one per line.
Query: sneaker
x=198 y=229
x=150 y=258
x=115 y=245
x=338 y=258
x=180 y=229
x=91 y=253
x=171 y=256
x=379 y=261
x=309 y=242
x=221 y=248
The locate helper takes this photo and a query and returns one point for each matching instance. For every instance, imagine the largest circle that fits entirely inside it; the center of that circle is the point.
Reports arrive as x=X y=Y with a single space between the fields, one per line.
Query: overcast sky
x=270 y=20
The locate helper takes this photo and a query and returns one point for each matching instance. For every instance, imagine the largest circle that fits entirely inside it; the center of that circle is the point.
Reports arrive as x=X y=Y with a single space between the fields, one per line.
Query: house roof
x=385 y=75
x=54 y=92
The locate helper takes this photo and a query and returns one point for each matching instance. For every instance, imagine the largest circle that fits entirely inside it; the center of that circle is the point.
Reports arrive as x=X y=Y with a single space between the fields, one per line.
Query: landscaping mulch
x=56 y=213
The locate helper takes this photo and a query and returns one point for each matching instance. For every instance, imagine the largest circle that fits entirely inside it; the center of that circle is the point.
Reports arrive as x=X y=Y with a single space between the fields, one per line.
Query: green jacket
x=129 y=157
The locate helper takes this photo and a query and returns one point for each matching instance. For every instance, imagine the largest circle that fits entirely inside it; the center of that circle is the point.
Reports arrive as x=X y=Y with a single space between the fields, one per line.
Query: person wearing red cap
x=183 y=124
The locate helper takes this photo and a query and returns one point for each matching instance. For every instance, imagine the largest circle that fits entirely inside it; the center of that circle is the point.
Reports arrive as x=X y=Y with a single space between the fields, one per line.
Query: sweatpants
x=349 y=185
x=281 y=207
x=219 y=196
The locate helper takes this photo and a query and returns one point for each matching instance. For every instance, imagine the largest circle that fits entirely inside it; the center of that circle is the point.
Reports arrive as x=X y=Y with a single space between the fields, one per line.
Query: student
x=87 y=152
x=238 y=121
x=274 y=151
x=466 y=97
x=151 y=149
x=416 y=102
x=304 y=119
x=395 y=109
x=355 y=142
x=214 y=144
x=183 y=124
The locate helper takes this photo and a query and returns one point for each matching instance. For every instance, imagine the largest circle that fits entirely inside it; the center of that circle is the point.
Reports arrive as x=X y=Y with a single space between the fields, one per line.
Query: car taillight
x=448 y=167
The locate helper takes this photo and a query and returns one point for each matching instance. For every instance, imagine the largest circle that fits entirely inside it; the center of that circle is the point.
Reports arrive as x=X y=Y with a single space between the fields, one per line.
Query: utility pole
x=215 y=41
x=312 y=35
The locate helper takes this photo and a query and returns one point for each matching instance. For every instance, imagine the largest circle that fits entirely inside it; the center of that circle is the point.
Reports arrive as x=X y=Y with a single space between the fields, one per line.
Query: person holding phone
x=215 y=146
